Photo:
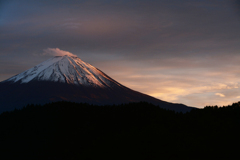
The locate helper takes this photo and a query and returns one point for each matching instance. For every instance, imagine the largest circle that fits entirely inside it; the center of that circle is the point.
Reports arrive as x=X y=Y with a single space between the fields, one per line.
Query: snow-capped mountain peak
x=69 y=78
x=65 y=69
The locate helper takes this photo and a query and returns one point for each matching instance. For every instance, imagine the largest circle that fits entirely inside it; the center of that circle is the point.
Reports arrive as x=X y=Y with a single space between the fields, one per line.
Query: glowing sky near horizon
x=184 y=51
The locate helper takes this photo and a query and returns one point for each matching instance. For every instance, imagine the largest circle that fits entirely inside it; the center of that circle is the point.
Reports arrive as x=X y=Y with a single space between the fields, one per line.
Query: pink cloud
x=56 y=52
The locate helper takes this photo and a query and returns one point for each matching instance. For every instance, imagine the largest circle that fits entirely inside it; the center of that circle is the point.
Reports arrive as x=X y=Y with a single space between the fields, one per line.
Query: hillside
x=65 y=130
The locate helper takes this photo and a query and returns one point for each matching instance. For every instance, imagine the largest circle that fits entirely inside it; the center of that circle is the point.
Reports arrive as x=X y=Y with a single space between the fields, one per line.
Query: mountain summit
x=65 y=69
x=68 y=78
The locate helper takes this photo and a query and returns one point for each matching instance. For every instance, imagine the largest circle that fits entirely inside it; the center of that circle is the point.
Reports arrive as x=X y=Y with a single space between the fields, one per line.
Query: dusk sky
x=181 y=51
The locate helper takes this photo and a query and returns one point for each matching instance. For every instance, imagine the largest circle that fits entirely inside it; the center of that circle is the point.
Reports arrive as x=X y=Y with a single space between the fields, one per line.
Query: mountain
x=68 y=78
x=66 y=69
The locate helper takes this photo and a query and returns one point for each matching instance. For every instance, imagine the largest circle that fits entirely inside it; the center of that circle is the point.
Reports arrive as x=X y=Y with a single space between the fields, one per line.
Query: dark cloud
x=237 y=5
x=170 y=26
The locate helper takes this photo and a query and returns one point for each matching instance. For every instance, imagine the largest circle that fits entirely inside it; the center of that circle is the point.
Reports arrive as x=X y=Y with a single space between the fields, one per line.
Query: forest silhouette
x=66 y=130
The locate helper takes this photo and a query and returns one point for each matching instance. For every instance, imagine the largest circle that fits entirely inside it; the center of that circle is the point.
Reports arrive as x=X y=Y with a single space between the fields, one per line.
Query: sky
x=184 y=51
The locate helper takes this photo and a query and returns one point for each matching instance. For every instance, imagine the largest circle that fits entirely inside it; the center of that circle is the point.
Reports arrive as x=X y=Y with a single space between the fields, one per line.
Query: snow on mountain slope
x=65 y=69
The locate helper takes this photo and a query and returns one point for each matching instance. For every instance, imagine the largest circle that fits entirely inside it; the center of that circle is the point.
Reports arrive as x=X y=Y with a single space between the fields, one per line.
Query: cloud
x=220 y=94
x=56 y=52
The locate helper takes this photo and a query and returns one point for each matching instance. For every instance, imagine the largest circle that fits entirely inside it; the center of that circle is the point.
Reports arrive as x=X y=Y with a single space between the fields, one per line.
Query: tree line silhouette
x=66 y=130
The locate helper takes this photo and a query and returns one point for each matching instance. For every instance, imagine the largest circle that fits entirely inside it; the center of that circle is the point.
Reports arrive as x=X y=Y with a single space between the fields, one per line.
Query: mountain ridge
x=68 y=78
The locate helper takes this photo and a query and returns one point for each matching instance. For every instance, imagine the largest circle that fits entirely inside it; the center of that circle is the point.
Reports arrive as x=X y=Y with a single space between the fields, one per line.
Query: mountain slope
x=65 y=69
x=70 y=79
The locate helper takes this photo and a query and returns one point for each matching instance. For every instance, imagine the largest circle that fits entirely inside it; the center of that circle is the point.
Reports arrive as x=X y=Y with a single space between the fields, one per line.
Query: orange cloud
x=56 y=52
x=220 y=94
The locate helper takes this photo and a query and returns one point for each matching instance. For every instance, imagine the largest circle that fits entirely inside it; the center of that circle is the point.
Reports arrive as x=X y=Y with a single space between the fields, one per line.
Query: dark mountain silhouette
x=68 y=78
